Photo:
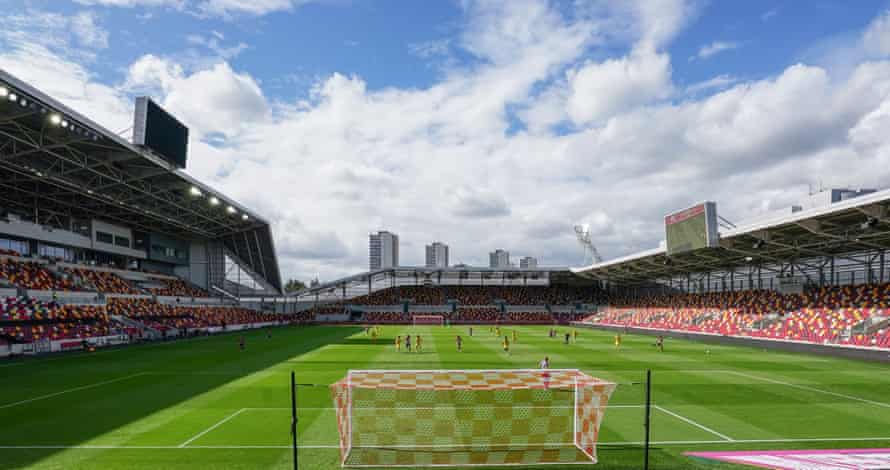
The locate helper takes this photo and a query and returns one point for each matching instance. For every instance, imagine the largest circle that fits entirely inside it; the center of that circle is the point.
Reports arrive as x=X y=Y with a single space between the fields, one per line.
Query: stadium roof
x=357 y=284
x=840 y=230
x=55 y=162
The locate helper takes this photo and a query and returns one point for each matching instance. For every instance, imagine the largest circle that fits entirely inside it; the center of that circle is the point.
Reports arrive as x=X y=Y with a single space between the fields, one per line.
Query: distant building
x=528 y=262
x=437 y=255
x=383 y=250
x=499 y=259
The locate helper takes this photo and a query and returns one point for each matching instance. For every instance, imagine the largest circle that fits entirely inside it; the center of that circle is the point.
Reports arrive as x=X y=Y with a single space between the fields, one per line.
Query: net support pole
x=646 y=419
x=293 y=415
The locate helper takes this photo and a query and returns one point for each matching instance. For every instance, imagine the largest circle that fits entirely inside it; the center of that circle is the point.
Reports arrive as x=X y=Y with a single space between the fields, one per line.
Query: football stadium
x=143 y=324
x=153 y=319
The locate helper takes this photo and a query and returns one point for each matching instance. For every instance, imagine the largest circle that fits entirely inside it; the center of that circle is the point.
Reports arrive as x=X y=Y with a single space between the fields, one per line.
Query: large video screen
x=691 y=229
x=160 y=132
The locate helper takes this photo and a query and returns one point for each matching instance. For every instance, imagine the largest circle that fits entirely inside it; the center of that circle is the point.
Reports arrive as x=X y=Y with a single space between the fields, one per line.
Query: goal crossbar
x=498 y=417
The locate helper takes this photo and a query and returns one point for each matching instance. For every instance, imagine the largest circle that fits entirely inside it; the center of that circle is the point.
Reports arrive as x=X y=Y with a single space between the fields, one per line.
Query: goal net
x=428 y=319
x=469 y=417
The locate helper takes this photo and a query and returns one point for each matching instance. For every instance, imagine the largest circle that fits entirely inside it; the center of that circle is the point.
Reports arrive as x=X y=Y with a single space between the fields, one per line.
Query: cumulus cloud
x=599 y=90
x=445 y=162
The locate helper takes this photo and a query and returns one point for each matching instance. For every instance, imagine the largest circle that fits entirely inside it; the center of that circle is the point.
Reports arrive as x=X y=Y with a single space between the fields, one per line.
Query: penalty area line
x=811 y=389
x=694 y=423
x=70 y=390
x=211 y=428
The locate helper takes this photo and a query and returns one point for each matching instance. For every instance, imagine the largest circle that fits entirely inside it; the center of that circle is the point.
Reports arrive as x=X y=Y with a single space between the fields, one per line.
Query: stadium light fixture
x=758 y=244
x=869 y=223
x=230 y=210
x=244 y=217
x=55 y=119
x=64 y=123
x=13 y=97
x=748 y=259
x=214 y=201
x=4 y=92
x=194 y=191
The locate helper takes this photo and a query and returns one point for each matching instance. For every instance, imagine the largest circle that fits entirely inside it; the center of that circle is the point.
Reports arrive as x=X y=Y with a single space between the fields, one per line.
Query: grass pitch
x=203 y=404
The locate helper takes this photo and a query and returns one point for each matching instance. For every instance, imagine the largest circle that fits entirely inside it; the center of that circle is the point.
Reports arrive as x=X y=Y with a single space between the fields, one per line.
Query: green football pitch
x=203 y=404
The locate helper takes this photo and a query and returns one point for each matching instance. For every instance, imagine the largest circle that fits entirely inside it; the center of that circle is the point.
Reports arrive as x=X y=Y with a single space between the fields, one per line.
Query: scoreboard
x=691 y=229
x=159 y=131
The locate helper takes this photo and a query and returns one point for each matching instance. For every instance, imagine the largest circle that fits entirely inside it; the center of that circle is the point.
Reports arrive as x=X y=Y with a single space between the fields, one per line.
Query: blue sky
x=480 y=123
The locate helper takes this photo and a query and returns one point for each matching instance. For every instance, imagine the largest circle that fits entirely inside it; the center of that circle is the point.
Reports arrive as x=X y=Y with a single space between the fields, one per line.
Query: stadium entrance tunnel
x=50 y=405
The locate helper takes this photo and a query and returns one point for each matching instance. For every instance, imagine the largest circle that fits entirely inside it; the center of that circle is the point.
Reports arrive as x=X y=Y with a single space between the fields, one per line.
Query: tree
x=294 y=285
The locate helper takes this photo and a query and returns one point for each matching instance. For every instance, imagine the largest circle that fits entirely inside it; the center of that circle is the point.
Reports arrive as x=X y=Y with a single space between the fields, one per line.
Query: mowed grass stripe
x=211 y=379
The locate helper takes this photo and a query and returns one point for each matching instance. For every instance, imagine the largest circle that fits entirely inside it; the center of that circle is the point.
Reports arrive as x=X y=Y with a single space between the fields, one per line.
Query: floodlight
x=230 y=210
x=244 y=217
x=871 y=222
x=55 y=119
x=749 y=259
x=214 y=201
x=4 y=92
x=758 y=244
x=64 y=123
x=13 y=97
x=194 y=191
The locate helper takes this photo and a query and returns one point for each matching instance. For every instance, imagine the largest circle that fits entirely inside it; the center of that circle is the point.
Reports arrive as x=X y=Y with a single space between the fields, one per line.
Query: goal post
x=428 y=320
x=420 y=418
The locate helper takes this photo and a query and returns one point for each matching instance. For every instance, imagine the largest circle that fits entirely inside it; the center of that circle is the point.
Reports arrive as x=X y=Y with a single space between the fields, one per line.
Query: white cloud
x=599 y=90
x=876 y=39
x=443 y=162
x=88 y=33
x=715 y=83
x=468 y=201
x=428 y=49
x=710 y=50
x=133 y=3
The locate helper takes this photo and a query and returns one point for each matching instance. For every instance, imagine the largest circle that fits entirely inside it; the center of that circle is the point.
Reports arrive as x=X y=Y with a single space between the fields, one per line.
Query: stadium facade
x=76 y=193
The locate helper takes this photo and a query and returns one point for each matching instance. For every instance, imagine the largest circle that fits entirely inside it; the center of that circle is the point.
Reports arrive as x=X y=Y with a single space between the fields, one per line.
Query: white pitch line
x=211 y=428
x=75 y=389
x=694 y=423
x=334 y=446
x=331 y=408
x=804 y=387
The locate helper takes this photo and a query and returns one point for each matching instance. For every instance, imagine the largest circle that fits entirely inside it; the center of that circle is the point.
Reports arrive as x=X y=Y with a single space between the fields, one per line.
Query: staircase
x=147 y=332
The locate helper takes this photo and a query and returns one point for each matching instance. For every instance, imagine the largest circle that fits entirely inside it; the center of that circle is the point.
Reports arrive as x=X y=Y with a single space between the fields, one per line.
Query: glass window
x=56 y=252
x=104 y=237
x=122 y=241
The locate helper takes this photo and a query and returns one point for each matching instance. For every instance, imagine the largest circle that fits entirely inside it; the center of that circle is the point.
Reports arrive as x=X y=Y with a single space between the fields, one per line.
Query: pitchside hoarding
x=691 y=229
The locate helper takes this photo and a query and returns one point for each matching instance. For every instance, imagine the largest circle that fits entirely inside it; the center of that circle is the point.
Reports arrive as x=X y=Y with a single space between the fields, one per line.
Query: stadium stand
x=821 y=315
x=164 y=317
x=480 y=295
x=103 y=281
x=178 y=288
x=32 y=275
x=24 y=320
